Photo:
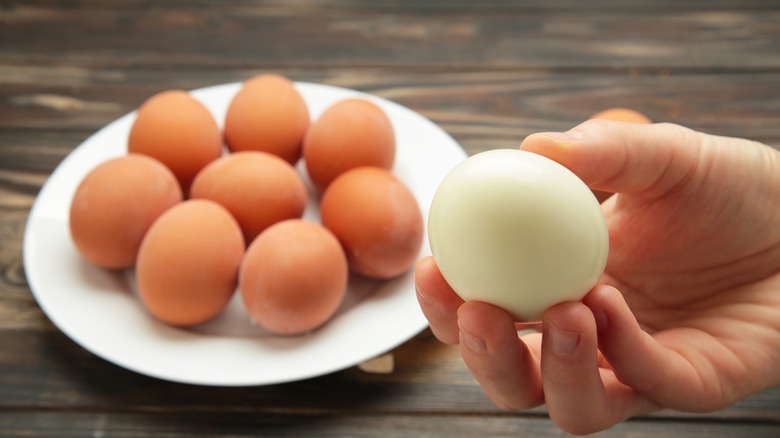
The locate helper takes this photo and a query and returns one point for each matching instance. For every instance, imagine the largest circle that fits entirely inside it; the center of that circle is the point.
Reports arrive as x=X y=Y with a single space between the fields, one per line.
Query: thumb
x=642 y=160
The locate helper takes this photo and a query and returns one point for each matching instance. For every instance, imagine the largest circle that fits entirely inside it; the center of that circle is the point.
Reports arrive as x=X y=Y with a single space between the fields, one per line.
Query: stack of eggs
x=197 y=221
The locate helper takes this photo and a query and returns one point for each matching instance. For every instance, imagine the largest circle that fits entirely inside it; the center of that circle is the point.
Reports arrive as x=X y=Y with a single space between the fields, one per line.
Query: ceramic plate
x=101 y=311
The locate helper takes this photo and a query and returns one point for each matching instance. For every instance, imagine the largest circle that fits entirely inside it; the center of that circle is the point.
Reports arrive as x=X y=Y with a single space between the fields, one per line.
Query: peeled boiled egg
x=177 y=130
x=293 y=277
x=114 y=206
x=517 y=230
x=351 y=133
x=187 y=268
x=259 y=189
x=268 y=115
x=377 y=220
x=622 y=115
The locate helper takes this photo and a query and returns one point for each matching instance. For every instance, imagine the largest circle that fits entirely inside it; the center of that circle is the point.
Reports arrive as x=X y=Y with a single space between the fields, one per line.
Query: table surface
x=488 y=72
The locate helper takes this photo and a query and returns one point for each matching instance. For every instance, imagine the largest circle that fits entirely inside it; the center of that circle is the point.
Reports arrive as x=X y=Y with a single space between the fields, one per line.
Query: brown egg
x=259 y=189
x=187 y=267
x=349 y=134
x=178 y=130
x=622 y=115
x=377 y=220
x=293 y=277
x=114 y=206
x=625 y=115
x=268 y=115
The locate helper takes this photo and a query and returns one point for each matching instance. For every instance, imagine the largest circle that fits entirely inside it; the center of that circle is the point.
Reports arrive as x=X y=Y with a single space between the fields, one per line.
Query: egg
x=114 y=206
x=177 y=130
x=187 y=268
x=377 y=220
x=622 y=115
x=517 y=230
x=269 y=115
x=351 y=133
x=257 y=188
x=293 y=277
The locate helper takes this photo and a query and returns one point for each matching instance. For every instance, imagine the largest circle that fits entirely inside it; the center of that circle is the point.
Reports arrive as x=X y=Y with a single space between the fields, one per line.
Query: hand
x=687 y=314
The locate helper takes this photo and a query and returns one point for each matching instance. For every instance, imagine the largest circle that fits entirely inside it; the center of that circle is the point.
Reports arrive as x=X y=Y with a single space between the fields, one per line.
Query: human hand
x=687 y=313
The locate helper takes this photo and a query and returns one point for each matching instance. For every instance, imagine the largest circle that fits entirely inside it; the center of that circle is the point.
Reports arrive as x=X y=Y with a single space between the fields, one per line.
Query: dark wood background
x=488 y=72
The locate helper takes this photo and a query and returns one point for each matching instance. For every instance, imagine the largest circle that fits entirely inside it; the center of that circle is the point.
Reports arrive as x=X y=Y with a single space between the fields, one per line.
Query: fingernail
x=421 y=295
x=563 y=342
x=472 y=342
x=570 y=135
x=602 y=322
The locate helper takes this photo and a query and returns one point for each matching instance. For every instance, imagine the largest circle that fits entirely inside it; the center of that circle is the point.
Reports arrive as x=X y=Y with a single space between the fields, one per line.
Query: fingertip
x=421 y=279
x=553 y=145
x=579 y=150
x=601 y=292
x=485 y=321
x=571 y=316
x=547 y=139
x=429 y=282
x=610 y=311
x=439 y=303
x=423 y=266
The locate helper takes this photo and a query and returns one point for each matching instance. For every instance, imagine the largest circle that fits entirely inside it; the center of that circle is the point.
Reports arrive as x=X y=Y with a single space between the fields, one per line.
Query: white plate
x=100 y=311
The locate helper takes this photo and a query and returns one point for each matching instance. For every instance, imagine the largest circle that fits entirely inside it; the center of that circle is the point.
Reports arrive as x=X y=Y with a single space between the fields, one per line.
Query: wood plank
x=481 y=110
x=252 y=424
x=14 y=290
x=46 y=371
x=422 y=5
x=255 y=35
x=36 y=151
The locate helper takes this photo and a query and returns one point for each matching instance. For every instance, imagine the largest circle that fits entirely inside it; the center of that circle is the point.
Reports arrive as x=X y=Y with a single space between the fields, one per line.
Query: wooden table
x=488 y=72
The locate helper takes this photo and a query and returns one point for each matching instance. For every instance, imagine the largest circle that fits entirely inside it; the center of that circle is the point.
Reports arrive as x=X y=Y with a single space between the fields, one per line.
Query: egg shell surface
x=293 y=277
x=626 y=115
x=114 y=206
x=179 y=131
x=377 y=220
x=268 y=115
x=187 y=268
x=259 y=189
x=350 y=133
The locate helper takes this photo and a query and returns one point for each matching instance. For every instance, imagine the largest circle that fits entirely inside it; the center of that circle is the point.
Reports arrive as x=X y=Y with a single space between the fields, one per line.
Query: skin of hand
x=687 y=313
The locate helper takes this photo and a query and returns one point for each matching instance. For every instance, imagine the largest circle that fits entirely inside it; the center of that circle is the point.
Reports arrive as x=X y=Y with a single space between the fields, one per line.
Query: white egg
x=517 y=230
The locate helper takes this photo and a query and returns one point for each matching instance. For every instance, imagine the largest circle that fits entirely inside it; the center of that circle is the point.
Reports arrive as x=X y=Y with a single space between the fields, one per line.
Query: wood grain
x=481 y=110
x=48 y=371
x=489 y=73
x=197 y=424
x=215 y=35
